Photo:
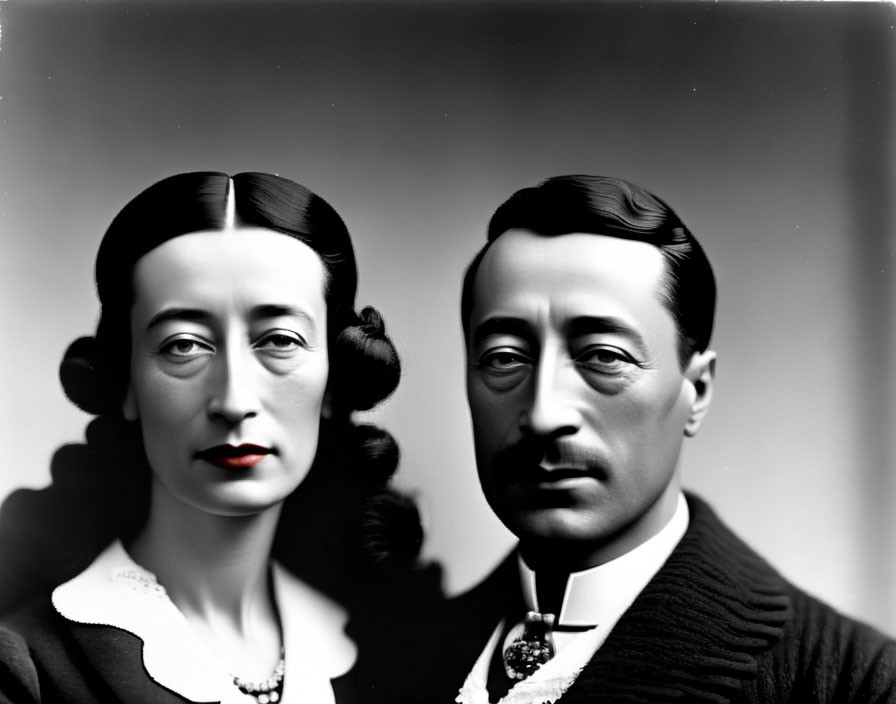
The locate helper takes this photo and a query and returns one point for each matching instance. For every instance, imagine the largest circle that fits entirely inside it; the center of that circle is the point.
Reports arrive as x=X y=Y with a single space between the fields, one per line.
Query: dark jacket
x=44 y=658
x=715 y=624
x=86 y=645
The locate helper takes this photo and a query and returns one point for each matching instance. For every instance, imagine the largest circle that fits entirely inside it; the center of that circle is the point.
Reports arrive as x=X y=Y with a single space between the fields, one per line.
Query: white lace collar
x=546 y=685
x=115 y=591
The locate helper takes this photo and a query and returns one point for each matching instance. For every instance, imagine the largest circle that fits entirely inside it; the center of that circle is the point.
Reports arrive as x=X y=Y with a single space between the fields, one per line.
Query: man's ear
x=700 y=373
x=129 y=405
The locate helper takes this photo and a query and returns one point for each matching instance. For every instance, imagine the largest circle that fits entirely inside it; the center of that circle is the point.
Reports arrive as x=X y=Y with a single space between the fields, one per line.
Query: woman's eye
x=185 y=349
x=279 y=343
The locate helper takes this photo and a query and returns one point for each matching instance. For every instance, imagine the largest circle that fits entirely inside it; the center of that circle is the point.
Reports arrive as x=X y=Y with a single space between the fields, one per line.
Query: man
x=587 y=318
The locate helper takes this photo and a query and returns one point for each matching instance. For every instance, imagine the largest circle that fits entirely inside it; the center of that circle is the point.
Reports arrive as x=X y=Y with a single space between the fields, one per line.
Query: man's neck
x=601 y=594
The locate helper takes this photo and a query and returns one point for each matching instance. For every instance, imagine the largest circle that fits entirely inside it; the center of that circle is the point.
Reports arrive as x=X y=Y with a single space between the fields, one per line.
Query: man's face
x=578 y=400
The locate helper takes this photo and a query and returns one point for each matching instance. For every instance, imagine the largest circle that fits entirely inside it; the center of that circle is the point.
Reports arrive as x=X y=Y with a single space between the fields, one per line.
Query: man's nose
x=234 y=394
x=552 y=410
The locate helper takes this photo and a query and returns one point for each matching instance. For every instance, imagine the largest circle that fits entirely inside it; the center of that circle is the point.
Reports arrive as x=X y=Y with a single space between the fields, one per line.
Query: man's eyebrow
x=169 y=314
x=593 y=324
x=500 y=326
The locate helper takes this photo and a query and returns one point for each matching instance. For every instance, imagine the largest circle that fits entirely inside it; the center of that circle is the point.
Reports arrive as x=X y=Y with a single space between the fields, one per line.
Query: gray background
x=768 y=127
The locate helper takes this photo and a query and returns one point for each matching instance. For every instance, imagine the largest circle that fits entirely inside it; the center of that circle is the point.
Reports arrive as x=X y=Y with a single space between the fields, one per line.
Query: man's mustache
x=540 y=457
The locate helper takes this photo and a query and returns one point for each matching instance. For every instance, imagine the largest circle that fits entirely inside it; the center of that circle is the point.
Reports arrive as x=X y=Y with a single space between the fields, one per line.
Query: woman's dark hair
x=96 y=380
x=603 y=205
x=100 y=490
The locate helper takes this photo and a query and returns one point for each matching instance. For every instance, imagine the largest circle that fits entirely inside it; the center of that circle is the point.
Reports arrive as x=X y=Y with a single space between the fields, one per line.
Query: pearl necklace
x=265 y=691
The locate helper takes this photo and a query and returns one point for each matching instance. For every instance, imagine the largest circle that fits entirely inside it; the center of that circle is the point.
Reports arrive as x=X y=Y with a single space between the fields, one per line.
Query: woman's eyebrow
x=277 y=310
x=260 y=312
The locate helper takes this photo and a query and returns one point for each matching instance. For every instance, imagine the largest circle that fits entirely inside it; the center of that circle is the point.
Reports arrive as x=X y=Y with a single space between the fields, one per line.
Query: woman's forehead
x=216 y=267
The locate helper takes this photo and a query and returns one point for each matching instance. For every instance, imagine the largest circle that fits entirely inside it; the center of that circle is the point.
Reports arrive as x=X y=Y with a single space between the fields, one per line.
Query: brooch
x=532 y=649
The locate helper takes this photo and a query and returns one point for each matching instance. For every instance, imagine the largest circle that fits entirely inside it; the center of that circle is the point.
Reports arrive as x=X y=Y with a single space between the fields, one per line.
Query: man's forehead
x=576 y=284
x=567 y=266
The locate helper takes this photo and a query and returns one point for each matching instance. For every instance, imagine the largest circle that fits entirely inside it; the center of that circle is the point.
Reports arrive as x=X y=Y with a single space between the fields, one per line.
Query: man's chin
x=563 y=524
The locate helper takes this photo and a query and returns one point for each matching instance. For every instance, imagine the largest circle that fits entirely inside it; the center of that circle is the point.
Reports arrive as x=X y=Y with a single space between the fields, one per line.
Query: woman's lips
x=231 y=457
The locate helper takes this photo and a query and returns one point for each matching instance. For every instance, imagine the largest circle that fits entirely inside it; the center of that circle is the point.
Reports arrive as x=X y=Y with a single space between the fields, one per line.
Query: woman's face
x=229 y=366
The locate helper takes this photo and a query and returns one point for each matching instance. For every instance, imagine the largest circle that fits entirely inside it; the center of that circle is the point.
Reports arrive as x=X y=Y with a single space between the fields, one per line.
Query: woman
x=226 y=364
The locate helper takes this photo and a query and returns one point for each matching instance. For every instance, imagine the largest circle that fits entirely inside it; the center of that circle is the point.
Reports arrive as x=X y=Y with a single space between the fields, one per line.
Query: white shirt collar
x=601 y=594
x=115 y=591
x=595 y=597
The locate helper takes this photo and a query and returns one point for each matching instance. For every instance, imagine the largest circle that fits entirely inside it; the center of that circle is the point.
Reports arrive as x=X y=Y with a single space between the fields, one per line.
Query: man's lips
x=551 y=477
x=532 y=464
x=234 y=457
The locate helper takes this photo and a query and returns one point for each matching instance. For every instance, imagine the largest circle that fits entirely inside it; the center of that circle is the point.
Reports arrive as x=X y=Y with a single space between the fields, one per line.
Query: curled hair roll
x=344 y=529
x=374 y=454
x=391 y=533
x=82 y=379
x=365 y=367
x=388 y=538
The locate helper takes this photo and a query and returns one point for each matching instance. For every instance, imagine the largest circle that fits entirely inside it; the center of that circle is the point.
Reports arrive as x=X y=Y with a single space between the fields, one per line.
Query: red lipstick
x=231 y=457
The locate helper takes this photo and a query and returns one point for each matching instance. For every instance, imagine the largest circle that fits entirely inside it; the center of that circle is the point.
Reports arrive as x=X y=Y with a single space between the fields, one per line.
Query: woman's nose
x=234 y=396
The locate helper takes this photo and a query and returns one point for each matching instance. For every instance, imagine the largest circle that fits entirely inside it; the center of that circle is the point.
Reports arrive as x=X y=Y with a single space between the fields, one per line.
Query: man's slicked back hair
x=603 y=205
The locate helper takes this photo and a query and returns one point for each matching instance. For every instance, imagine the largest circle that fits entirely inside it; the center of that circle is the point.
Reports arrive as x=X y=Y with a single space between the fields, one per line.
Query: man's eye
x=184 y=349
x=503 y=361
x=605 y=359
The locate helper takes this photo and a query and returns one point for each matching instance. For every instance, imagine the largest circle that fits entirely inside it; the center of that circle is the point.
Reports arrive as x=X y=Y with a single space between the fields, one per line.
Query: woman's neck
x=214 y=568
